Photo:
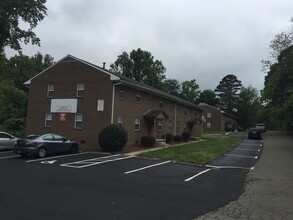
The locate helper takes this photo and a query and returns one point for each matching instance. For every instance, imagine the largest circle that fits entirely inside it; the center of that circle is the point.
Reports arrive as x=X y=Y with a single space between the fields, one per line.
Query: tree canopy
x=228 y=92
x=140 y=66
x=11 y=13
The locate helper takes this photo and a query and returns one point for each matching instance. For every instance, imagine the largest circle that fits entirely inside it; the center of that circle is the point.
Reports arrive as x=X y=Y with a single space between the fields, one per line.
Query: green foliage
x=113 y=138
x=228 y=93
x=148 y=141
x=208 y=96
x=11 y=13
x=140 y=66
x=185 y=136
x=172 y=86
x=190 y=91
x=169 y=138
x=178 y=138
x=15 y=126
x=278 y=92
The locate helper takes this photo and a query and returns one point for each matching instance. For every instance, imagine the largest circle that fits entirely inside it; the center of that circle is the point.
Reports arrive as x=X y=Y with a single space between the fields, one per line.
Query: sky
x=203 y=40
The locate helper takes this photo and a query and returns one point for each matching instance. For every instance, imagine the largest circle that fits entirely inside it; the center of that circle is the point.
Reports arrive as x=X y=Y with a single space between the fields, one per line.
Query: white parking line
x=94 y=161
x=190 y=178
x=235 y=155
x=246 y=149
x=47 y=158
x=230 y=167
x=143 y=168
x=5 y=152
x=250 y=144
x=1 y=158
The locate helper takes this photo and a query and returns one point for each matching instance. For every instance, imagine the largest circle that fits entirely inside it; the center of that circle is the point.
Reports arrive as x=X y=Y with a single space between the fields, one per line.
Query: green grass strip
x=197 y=152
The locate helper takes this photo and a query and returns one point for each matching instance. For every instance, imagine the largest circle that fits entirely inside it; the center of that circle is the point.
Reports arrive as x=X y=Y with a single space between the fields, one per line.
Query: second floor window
x=138 y=99
x=50 y=92
x=80 y=90
x=209 y=115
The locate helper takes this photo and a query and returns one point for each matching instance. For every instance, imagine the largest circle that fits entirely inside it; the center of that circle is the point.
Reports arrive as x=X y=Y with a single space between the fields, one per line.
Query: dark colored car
x=42 y=145
x=254 y=133
x=7 y=141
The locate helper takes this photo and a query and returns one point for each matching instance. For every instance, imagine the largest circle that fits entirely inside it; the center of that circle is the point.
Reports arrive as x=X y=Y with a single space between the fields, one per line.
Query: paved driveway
x=92 y=186
x=269 y=186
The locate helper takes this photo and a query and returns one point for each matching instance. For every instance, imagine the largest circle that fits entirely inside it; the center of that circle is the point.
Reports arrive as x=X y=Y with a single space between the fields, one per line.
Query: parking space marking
x=95 y=161
x=246 y=149
x=1 y=158
x=147 y=167
x=250 y=144
x=230 y=167
x=47 y=158
x=5 y=152
x=236 y=155
x=190 y=178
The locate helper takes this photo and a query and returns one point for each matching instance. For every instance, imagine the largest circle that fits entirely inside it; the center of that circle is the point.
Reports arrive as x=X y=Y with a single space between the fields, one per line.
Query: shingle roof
x=126 y=81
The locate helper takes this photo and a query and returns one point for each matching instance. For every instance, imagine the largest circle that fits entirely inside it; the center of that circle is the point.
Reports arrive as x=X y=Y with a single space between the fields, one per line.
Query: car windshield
x=32 y=137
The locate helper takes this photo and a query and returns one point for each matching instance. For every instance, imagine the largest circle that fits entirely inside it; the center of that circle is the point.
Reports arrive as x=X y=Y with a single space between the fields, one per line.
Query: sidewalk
x=268 y=192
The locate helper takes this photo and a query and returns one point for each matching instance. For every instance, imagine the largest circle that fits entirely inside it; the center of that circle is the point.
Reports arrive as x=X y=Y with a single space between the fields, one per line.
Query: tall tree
x=228 y=93
x=140 y=66
x=248 y=107
x=278 y=90
x=172 y=86
x=208 y=96
x=11 y=12
x=190 y=91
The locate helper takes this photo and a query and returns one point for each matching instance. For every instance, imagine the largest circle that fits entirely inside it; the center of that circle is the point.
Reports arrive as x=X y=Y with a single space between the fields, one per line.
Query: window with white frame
x=48 y=120
x=209 y=125
x=209 y=114
x=137 y=124
x=121 y=94
x=78 y=120
x=120 y=120
x=138 y=98
x=50 y=92
x=160 y=125
x=80 y=90
x=170 y=125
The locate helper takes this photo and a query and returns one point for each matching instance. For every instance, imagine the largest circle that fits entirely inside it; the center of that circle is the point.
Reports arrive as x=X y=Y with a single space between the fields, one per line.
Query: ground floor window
x=137 y=124
x=209 y=125
x=120 y=120
x=170 y=126
x=78 y=120
x=48 y=120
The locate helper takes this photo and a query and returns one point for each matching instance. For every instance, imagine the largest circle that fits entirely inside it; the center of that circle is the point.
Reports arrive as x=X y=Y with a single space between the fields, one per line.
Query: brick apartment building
x=78 y=99
x=216 y=119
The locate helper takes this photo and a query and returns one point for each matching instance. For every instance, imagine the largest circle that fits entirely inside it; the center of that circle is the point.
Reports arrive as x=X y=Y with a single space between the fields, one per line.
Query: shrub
x=178 y=138
x=148 y=141
x=185 y=136
x=113 y=138
x=169 y=138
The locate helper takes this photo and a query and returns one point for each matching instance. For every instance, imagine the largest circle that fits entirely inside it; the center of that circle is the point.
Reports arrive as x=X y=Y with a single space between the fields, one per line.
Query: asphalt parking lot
x=96 y=186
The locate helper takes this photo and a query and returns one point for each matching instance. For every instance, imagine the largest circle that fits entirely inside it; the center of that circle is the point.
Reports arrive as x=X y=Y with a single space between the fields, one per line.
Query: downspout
x=175 y=122
x=113 y=101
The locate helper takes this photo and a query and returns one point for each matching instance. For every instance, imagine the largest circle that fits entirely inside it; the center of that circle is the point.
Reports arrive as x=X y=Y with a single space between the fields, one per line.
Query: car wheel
x=42 y=152
x=73 y=149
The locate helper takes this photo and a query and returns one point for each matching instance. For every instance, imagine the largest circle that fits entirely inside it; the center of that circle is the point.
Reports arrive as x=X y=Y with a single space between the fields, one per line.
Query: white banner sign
x=63 y=105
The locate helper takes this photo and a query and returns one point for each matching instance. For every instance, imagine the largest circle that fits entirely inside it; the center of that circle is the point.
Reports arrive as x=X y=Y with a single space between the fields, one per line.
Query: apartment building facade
x=78 y=99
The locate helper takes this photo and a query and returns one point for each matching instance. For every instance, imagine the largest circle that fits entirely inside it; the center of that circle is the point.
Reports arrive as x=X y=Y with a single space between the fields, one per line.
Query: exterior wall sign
x=63 y=105
x=100 y=105
x=62 y=117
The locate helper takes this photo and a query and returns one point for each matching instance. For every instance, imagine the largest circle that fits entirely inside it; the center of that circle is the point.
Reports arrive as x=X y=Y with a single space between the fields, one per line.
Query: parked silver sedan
x=7 y=141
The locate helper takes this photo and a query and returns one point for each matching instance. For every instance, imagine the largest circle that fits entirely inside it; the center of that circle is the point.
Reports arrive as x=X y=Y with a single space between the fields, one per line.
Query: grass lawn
x=197 y=152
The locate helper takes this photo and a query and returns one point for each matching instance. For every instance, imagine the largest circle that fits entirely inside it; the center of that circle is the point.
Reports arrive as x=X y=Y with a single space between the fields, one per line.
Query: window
x=185 y=111
x=209 y=115
x=209 y=125
x=150 y=98
x=161 y=104
x=78 y=120
x=184 y=127
x=80 y=90
x=121 y=94
x=120 y=120
x=170 y=126
x=48 y=138
x=160 y=125
x=48 y=120
x=137 y=124
x=50 y=92
x=178 y=125
x=138 y=99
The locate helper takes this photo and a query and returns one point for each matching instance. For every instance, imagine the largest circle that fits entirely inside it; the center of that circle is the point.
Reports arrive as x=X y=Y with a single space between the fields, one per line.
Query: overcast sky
x=195 y=39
